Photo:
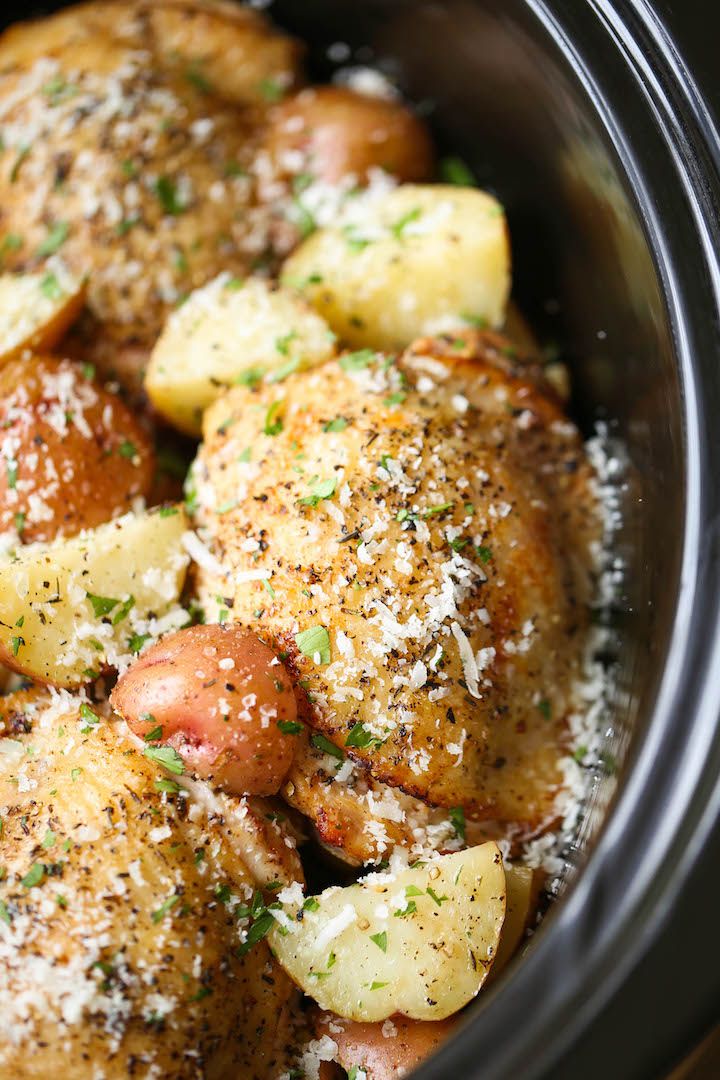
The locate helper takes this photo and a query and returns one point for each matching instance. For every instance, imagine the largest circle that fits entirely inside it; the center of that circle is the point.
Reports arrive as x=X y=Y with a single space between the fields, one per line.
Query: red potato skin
x=384 y=1058
x=341 y=132
x=219 y=695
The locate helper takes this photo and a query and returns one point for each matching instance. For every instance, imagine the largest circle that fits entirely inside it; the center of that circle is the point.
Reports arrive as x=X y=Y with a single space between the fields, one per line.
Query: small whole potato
x=332 y=131
x=220 y=698
x=384 y=1051
x=72 y=454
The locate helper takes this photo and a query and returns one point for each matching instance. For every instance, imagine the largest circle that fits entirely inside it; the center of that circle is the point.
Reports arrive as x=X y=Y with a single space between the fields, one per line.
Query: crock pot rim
x=674 y=783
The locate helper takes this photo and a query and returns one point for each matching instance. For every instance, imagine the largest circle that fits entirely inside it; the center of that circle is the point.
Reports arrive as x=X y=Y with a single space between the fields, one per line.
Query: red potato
x=385 y=1051
x=72 y=455
x=221 y=699
x=337 y=131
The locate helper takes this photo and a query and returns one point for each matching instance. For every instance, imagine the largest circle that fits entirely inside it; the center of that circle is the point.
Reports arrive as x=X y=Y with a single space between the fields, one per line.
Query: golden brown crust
x=72 y=456
x=448 y=564
x=124 y=950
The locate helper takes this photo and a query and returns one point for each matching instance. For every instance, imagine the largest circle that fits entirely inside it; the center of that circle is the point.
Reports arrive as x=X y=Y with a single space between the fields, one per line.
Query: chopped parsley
x=289 y=727
x=398 y=227
x=127 y=449
x=136 y=642
x=51 y=288
x=55 y=239
x=158 y=915
x=34 y=876
x=4 y=913
x=338 y=424
x=167 y=786
x=439 y=900
x=402 y=913
x=484 y=553
x=356 y=361
x=314 y=642
x=321 y=742
x=11 y=469
x=167 y=757
x=544 y=708
x=124 y=610
x=273 y=422
x=360 y=737
x=101 y=605
x=380 y=940
x=319 y=490
x=91 y=718
x=271 y=91
x=16 y=642
x=49 y=839
x=441 y=508
x=453 y=170
x=457 y=820
x=167 y=195
x=311 y=904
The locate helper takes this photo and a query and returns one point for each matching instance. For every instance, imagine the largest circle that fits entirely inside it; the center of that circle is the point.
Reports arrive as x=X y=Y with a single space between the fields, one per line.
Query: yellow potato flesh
x=419 y=942
x=227 y=332
x=73 y=607
x=420 y=260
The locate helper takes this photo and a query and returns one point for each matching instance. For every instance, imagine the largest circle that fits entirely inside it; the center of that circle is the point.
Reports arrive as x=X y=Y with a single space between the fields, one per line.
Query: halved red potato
x=37 y=309
x=221 y=700
x=384 y=1051
x=72 y=455
x=330 y=132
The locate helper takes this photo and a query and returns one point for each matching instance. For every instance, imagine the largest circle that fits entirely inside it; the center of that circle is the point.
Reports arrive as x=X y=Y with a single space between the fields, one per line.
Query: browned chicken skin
x=435 y=542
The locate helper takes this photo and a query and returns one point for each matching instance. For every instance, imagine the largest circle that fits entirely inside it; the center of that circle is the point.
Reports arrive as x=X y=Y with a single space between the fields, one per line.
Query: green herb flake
x=402 y=913
x=55 y=239
x=338 y=424
x=357 y=361
x=271 y=91
x=580 y=754
x=380 y=940
x=75 y=774
x=456 y=815
x=167 y=757
x=484 y=554
x=167 y=786
x=273 y=422
x=136 y=642
x=315 y=644
x=398 y=227
x=49 y=839
x=321 y=742
x=15 y=171
x=441 y=508
x=4 y=913
x=311 y=904
x=360 y=737
x=320 y=489
x=127 y=449
x=158 y=915
x=101 y=605
x=51 y=288
x=439 y=900
x=11 y=470
x=289 y=727
x=16 y=642
x=167 y=195
x=453 y=170
x=34 y=876
x=91 y=718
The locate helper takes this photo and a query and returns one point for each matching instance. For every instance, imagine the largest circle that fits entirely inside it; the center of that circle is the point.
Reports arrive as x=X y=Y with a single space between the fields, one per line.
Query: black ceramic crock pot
x=585 y=118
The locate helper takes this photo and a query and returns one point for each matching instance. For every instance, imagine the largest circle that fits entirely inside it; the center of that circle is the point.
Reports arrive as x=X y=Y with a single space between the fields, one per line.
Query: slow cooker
x=593 y=121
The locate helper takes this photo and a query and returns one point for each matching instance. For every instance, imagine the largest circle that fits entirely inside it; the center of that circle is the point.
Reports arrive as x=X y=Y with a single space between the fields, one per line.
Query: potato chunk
x=227 y=332
x=74 y=607
x=419 y=942
x=73 y=455
x=418 y=260
x=37 y=309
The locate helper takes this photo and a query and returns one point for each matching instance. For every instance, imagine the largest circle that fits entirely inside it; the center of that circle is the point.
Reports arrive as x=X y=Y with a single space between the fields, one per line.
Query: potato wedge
x=417 y=260
x=521 y=898
x=419 y=942
x=227 y=332
x=37 y=309
x=77 y=606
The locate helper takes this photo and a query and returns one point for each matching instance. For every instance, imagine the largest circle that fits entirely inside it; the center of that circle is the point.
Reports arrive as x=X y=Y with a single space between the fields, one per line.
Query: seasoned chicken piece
x=118 y=152
x=361 y=820
x=414 y=533
x=121 y=909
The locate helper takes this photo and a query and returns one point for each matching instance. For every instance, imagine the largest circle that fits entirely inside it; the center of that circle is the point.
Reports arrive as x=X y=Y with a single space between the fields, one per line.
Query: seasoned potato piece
x=221 y=699
x=424 y=526
x=231 y=331
x=120 y=904
x=74 y=607
x=384 y=1051
x=419 y=942
x=72 y=454
x=37 y=309
x=521 y=899
x=413 y=263
x=223 y=49
x=330 y=132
